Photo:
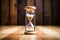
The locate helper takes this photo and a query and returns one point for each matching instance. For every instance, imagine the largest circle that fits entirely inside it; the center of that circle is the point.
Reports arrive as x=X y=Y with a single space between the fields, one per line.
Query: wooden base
x=30 y=33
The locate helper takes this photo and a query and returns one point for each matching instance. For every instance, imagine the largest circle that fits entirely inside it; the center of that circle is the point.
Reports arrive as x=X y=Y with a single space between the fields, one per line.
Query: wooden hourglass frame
x=30 y=20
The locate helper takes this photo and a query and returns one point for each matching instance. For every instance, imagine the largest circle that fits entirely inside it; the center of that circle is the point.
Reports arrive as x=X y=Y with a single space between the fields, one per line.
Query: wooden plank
x=5 y=12
x=39 y=12
x=21 y=12
x=30 y=2
x=47 y=12
x=13 y=12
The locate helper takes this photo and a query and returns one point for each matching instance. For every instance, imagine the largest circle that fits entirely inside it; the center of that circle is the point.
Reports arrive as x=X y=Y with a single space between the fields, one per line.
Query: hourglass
x=30 y=19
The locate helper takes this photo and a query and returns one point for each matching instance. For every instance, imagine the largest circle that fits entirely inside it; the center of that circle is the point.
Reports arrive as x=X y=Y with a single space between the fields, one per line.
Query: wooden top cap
x=30 y=7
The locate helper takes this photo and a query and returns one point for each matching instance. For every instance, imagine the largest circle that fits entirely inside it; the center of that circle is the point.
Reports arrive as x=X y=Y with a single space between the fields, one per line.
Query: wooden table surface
x=42 y=33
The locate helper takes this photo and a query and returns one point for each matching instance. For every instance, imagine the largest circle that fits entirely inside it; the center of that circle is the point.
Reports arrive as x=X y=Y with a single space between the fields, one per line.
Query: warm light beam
x=50 y=32
x=8 y=31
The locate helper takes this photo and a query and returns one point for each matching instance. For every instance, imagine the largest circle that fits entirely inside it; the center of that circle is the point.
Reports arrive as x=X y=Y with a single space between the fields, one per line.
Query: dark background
x=13 y=13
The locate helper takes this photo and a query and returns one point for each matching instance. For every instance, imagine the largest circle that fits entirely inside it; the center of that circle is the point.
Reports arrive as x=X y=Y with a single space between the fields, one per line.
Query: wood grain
x=42 y=33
